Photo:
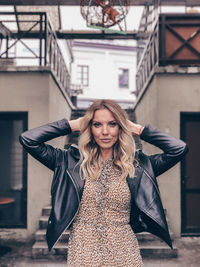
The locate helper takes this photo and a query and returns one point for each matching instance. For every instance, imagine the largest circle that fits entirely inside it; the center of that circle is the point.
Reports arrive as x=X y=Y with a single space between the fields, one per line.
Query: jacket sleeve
x=174 y=149
x=34 y=141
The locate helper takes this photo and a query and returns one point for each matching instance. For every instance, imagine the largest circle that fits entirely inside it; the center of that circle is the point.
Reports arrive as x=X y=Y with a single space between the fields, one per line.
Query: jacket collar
x=74 y=151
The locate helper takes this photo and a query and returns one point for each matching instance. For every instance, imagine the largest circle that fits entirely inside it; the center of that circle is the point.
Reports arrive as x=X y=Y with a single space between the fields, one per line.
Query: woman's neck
x=105 y=155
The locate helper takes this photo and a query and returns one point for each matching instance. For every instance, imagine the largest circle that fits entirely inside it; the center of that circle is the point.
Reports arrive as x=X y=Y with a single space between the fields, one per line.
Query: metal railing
x=16 y=43
x=148 y=60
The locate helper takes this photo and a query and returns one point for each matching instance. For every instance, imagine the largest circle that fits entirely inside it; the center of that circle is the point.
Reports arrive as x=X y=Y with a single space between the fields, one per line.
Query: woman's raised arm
x=135 y=129
x=34 y=141
x=75 y=124
x=174 y=149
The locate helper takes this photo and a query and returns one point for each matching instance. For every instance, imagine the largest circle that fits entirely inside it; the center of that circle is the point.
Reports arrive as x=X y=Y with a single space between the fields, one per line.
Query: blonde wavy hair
x=123 y=149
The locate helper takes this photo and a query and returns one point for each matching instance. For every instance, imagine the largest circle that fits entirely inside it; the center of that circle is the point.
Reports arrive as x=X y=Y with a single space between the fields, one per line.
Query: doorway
x=13 y=177
x=190 y=174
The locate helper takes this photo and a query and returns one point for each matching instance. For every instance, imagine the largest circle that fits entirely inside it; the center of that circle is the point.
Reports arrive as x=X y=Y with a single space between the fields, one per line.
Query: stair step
x=43 y=222
x=40 y=250
x=40 y=236
x=147 y=237
x=150 y=245
x=160 y=251
x=46 y=211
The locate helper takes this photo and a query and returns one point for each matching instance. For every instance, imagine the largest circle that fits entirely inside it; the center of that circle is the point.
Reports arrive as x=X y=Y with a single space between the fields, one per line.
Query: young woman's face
x=105 y=129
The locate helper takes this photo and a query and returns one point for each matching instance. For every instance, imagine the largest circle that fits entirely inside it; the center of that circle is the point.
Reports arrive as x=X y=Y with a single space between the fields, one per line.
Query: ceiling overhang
x=77 y=2
x=53 y=13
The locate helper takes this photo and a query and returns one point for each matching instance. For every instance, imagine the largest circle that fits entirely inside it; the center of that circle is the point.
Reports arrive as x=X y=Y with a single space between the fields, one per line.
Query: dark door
x=13 y=204
x=190 y=180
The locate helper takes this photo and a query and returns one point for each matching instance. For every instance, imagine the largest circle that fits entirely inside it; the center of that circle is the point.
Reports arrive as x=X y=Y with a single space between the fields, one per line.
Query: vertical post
x=7 y=45
x=45 y=40
x=161 y=40
x=50 y=48
x=40 y=59
x=156 y=41
x=54 y=55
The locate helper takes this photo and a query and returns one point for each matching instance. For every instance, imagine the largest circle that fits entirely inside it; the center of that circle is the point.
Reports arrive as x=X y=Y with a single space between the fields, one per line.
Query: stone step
x=142 y=237
x=40 y=250
x=43 y=222
x=46 y=211
x=147 y=237
x=160 y=251
x=40 y=236
x=150 y=245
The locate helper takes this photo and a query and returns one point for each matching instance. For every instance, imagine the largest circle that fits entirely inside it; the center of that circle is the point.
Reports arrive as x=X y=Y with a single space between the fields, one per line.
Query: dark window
x=13 y=204
x=123 y=78
x=83 y=75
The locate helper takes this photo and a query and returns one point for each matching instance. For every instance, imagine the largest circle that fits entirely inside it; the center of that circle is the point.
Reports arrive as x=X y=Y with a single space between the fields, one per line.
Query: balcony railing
x=148 y=60
x=28 y=39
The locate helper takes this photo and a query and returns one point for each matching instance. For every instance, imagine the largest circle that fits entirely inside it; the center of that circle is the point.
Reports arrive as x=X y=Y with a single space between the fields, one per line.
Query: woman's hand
x=75 y=124
x=135 y=128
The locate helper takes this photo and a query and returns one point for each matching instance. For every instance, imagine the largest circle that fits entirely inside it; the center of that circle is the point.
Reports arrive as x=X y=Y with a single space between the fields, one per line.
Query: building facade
x=168 y=97
x=104 y=69
x=34 y=90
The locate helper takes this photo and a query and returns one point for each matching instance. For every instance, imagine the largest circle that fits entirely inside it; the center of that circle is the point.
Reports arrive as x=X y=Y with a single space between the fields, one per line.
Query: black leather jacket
x=147 y=213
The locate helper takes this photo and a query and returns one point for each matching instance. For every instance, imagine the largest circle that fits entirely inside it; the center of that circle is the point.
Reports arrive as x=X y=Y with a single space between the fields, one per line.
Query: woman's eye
x=112 y=123
x=96 y=124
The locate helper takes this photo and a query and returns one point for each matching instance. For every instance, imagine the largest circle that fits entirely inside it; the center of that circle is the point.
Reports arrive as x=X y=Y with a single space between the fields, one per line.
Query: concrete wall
x=169 y=94
x=38 y=94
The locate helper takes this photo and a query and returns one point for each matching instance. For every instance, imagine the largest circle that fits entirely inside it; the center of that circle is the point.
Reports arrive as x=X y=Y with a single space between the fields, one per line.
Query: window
x=83 y=75
x=123 y=78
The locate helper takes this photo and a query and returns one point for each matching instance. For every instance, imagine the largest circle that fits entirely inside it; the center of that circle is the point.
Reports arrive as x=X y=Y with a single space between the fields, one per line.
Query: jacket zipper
x=146 y=212
x=152 y=181
x=76 y=211
x=147 y=174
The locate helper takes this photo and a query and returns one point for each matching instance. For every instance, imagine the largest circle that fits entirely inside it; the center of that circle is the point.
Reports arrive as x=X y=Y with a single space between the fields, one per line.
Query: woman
x=104 y=190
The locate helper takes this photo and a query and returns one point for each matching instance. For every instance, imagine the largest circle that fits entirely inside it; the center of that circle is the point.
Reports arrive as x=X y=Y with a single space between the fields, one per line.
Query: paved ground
x=20 y=256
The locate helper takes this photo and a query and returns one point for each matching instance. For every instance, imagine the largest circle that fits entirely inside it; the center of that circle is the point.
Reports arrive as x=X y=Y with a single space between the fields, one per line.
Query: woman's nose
x=105 y=129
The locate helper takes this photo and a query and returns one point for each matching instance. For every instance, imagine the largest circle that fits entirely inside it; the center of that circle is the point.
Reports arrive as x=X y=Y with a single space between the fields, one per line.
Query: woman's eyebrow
x=101 y=121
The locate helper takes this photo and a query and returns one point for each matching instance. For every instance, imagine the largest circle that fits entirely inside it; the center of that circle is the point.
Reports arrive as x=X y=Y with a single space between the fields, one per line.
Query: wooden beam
x=4 y=31
x=134 y=35
x=58 y=2
x=77 y=2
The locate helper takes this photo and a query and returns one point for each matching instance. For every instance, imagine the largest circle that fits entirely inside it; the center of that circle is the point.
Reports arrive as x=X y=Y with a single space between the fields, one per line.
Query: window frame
x=82 y=73
x=121 y=86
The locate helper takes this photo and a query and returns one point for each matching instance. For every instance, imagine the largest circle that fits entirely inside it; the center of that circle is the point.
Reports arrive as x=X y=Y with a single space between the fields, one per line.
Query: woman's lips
x=105 y=140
